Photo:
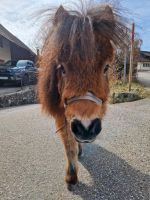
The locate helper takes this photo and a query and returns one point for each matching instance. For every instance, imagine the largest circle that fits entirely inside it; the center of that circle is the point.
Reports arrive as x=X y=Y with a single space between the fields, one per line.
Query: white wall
x=5 y=53
x=140 y=66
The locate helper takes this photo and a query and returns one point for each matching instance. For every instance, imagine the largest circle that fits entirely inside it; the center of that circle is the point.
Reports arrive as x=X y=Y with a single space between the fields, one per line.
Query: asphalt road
x=115 y=167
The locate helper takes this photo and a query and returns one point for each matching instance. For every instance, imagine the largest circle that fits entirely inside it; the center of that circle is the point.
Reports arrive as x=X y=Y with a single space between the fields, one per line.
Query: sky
x=18 y=16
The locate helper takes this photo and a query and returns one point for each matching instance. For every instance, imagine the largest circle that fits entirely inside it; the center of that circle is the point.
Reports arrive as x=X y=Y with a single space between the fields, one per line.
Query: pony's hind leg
x=80 y=152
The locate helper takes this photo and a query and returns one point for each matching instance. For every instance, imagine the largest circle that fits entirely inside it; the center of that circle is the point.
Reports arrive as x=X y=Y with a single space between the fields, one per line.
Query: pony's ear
x=103 y=19
x=108 y=23
x=107 y=14
x=59 y=15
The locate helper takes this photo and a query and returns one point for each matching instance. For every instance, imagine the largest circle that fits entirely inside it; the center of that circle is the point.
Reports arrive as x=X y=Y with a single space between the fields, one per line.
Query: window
x=146 y=64
x=1 y=42
x=21 y=63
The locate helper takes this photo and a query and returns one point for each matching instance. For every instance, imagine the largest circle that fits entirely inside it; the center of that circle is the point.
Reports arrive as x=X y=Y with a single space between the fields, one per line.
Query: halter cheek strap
x=88 y=96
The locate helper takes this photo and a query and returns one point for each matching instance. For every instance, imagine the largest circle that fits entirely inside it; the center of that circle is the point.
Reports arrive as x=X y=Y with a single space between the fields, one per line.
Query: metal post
x=21 y=84
x=125 y=65
x=131 y=57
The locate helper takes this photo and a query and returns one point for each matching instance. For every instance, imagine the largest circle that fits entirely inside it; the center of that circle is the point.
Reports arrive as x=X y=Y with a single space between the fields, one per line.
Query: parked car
x=22 y=72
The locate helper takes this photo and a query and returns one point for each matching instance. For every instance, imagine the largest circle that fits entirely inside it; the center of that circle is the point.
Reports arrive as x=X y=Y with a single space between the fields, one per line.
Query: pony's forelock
x=70 y=34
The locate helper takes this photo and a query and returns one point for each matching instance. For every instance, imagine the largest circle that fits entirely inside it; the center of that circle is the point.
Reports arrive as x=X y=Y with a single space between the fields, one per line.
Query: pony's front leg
x=71 y=150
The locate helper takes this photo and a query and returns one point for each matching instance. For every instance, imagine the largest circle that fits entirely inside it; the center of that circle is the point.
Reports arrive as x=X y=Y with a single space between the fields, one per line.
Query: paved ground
x=115 y=167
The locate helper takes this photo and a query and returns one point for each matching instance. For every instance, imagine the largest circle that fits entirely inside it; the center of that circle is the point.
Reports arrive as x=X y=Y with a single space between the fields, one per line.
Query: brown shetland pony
x=73 y=84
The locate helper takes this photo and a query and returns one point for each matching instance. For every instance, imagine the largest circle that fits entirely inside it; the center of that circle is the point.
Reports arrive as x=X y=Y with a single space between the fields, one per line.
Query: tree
x=118 y=65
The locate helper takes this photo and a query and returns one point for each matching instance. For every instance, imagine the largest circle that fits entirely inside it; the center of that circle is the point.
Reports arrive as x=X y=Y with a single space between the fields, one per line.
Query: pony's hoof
x=71 y=175
x=70 y=187
x=71 y=180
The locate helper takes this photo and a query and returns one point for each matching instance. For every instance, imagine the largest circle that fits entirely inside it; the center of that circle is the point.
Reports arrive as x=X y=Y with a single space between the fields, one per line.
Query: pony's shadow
x=112 y=177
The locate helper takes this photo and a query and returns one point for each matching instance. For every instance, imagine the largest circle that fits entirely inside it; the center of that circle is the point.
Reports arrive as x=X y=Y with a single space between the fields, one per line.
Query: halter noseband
x=88 y=96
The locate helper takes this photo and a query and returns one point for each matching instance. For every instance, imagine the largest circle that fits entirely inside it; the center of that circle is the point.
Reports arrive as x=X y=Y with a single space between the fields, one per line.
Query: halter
x=88 y=96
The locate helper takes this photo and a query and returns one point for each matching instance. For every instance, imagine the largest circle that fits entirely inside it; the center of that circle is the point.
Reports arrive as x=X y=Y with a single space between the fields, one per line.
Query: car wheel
x=25 y=80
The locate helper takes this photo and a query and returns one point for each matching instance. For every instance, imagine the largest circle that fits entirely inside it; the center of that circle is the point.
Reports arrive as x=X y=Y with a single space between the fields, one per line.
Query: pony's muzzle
x=86 y=130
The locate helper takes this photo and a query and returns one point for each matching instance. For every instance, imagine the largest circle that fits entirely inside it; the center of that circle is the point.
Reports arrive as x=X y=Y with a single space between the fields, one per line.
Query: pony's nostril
x=85 y=130
x=76 y=127
x=95 y=127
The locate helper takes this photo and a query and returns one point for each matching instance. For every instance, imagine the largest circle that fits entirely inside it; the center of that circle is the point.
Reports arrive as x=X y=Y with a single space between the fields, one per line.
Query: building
x=144 y=61
x=11 y=48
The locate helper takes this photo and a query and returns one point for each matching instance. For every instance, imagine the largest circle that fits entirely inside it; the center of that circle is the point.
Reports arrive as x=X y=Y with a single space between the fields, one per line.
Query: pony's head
x=73 y=83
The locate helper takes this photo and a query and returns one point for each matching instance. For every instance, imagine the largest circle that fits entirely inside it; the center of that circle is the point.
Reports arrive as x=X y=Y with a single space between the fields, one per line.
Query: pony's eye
x=62 y=69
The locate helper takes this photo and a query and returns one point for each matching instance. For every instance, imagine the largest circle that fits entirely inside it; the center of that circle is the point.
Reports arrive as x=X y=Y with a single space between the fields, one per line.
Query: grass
x=119 y=87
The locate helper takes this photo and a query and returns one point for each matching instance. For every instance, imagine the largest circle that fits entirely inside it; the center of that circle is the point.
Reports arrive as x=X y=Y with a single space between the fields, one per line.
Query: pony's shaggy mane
x=71 y=35
x=80 y=40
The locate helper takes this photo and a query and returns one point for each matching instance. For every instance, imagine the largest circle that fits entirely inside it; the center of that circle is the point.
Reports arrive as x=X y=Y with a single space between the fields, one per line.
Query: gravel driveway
x=115 y=167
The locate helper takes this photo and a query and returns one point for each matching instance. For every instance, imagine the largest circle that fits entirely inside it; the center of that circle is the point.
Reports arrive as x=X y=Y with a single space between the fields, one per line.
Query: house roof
x=6 y=34
x=144 y=56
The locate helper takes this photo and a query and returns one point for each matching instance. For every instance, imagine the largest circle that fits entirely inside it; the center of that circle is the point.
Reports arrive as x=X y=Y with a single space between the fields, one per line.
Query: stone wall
x=124 y=97
x=27 y=96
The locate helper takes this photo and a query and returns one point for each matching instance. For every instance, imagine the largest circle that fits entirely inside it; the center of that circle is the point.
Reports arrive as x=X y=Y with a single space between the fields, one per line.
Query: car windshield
x=21 y=63
x=10 y=63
